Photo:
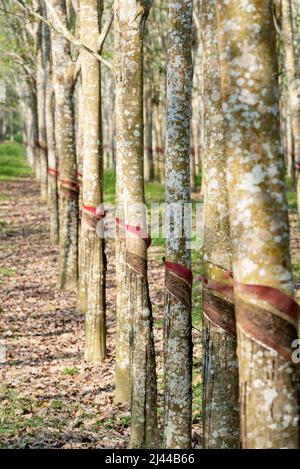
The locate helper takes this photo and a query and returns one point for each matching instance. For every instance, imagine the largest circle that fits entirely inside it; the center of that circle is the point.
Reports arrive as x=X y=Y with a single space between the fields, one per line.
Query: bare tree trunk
x=11 y=126
x=130 y=20
x=51 y=147
x=93 y=263
x=220 y=368
x=263 y=284
x=41 y=89
x=63 y=78
x=178 y=276
x=148 y=166
x=34 y=131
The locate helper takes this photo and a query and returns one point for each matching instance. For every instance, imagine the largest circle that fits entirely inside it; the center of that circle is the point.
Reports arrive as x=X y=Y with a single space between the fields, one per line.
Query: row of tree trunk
x=250 y=317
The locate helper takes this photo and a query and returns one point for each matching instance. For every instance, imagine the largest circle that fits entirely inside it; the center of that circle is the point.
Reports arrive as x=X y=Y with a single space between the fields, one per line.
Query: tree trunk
x=130 y=19
x=51 y=147
x=41 y=88
x=220 y=367
x=148 y=166
x=92 y=244
x=263 y=284
x=34 y=131
x=177 y=317
x=63 y=75
x=11 y=126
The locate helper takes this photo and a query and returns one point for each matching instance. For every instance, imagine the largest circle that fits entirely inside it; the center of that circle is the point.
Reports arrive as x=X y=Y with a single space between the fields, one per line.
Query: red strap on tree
x=93 y=211
x=53 y=172
x=180 y=271
x=219 y=287
x=70 y=183
x=135 y=230
x=275 y=298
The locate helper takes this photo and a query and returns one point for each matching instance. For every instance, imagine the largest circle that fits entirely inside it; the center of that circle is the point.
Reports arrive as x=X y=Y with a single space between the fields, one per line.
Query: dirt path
x=50 y=398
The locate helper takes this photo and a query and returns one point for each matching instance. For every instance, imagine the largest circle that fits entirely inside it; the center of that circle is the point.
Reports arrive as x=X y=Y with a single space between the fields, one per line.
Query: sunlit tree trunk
x=11 y=126
x=92 y=245
x=34 y=129
x=41 y=88
x=51 y=147
x=63 y=79
x=177 y=317
x=148 y=162
x=135 y=308
x=220 y=369
x=263 y=284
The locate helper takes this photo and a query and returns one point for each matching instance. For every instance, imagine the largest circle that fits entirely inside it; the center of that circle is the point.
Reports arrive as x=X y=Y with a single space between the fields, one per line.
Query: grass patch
x=12 y=162
x=292 y=200
x=197 y=395
x=70 y=371
x=154 y=192
x=16 y=415
x=291 y=194
x=6 y=272
x=4 y=197
x=296 y=269
x=3 y=225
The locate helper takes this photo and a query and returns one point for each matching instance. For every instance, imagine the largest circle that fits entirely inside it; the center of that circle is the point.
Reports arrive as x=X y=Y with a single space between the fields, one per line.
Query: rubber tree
x=92 y=245
x=64 y=80
x=220 y=368
x=266 y=313
x=33 y=128
x=41 y=88
x=177 y=314
x=50 y=138
x=135 y=310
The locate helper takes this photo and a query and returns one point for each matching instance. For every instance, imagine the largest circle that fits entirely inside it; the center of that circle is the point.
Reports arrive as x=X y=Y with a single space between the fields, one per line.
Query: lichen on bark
x=63 y=79
x=134 y=307
x=220 y=366
x=269 y=409
x=177 y=315
x=92 y=254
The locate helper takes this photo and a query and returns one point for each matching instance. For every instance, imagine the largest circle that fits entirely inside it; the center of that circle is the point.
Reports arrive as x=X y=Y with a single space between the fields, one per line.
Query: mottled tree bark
x=122 y=369
x=177 y=316
x=148 y=162
x=79 y=119
x=63 y=79
x=92 y=245
x=41 y=91
x=220 y=369
x=263 y=283
x=51 y=147
x=33 y=131
x=130 y=17
x=11 y=126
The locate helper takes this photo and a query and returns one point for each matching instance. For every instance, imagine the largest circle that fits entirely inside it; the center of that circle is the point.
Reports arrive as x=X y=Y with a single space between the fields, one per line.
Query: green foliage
x=16 y=415
x=12 y=162
x=154 y=192
x=70 y=371
x=296 y=269
x=197 y=394
x=3 y=225
x=292 y=200
x=6 y=272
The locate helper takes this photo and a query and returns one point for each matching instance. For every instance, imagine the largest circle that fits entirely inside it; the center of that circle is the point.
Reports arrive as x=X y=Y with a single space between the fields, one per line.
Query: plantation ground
x=50 y=398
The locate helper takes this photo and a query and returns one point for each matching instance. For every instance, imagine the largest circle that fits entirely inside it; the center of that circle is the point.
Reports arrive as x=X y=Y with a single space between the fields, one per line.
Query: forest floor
x=49 y=397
